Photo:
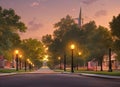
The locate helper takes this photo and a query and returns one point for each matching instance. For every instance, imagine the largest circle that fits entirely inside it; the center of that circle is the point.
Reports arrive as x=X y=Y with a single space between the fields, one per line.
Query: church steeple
x=80 y=18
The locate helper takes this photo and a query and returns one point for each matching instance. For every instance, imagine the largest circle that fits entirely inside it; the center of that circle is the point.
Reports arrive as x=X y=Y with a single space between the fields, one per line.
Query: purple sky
x=40 y=15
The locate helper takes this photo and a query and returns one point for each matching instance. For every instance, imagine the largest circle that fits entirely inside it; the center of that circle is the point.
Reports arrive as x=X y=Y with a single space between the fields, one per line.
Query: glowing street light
x=79 y=53
x=20 y=61
x=72 y=48
x=59 y=58
x=46 y=58
x=16 y=52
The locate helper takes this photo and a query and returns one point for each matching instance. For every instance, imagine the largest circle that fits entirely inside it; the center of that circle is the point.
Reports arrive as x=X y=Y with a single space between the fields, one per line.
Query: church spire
x=80 y=18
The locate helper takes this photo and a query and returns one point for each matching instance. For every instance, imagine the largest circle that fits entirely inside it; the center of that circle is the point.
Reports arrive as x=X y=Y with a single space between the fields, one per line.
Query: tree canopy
x=90 y=40
x=115 y=30
x=33 y=50
x=10 y=25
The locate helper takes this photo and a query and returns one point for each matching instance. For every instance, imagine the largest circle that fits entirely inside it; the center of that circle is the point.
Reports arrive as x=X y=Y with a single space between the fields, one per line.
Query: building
x=93 y=65
x=114 y=61
x=5 y=63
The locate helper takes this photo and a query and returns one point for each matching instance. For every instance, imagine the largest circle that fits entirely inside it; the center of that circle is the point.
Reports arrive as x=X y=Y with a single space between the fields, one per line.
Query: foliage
x=90 y=40
x=115 y=30
x=10 y=25
x=94 y=41
x=33 y=49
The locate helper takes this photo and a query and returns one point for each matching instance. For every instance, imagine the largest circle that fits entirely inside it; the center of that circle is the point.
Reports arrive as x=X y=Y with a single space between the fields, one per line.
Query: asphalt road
x=55 y=80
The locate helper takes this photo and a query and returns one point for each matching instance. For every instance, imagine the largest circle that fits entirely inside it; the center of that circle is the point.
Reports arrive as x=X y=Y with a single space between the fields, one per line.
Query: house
x=114 y=61
x=4 y=63
x=93 y=65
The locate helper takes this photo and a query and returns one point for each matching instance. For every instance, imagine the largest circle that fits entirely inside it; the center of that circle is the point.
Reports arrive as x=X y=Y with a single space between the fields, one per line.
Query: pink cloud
x=101 y=13
x=33 y=25
x=35 y=4
x=88 y=2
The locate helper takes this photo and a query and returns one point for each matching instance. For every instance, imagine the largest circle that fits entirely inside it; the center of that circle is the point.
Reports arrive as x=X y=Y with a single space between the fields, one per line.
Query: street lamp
x=59 y=58
x=16 y=52
x=20 y=61
x=72 y=48
x=25 y=64
x=64 y=61
x=79 y=53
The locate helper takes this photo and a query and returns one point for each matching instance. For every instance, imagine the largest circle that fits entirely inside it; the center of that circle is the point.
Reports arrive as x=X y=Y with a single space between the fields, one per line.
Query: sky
x=41 y=15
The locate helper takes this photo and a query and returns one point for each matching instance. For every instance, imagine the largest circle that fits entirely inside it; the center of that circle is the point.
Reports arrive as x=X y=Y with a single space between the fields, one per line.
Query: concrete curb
x=94 y=75
x=7 y=74
x=101 y=76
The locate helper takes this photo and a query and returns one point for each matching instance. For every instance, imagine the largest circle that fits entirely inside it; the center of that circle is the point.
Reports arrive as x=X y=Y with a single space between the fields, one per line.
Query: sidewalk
x=45 y=70
x=94 y=75
x=6 y=74
x=100 y=76
x=42 y=70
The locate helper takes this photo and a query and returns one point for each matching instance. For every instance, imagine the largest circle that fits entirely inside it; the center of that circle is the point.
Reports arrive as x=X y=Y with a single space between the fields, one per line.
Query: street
x=55 y=80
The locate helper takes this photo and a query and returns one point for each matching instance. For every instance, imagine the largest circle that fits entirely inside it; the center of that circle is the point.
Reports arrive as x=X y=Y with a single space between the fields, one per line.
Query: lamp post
x=20 y=61
x=59 y=58
x=110 y=64
x=64 y=61
x=72 y=65
x=16 y=52
x=79 y=53
x=25 y=65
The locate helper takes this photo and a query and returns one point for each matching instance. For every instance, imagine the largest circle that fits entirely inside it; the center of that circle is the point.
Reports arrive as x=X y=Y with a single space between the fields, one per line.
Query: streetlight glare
x=72 y=46
x=59 y=58
x=45 y=59
x=46 y=56
x=16 y=51
x=79 y=53
x=20 y=56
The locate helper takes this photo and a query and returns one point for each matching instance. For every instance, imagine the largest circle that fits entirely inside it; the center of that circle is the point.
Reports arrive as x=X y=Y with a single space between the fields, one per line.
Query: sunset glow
x=41 y=15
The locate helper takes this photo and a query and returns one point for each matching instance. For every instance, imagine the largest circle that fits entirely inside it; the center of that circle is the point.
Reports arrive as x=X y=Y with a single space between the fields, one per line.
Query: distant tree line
x=91 y=40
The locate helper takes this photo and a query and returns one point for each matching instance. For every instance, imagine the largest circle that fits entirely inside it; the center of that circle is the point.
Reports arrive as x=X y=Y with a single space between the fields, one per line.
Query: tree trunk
x=101 y=66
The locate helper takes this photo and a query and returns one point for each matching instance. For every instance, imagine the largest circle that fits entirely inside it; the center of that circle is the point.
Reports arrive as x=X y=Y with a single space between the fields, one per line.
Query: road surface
x=55 y=80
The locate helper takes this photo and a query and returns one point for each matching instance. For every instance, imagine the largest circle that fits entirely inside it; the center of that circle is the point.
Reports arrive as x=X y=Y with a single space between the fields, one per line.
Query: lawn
x=11 y=71
x=114 y=73
x=7 y=70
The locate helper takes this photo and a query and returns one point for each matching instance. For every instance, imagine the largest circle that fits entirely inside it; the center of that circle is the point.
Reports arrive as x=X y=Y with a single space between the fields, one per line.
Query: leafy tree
x=33 y=49
x=10 y=25
x=115 y=30
x=67 y=32
x=89 y=40
x=47 y=39
x=97 y=41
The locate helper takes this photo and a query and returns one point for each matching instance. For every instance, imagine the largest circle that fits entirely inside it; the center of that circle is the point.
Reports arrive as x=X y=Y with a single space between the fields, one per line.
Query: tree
x=10 y=25
x=63 y=26
x=33 y=49
x=97 y=41
x=89 y=40
x=115 y=30
x=47 y=39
